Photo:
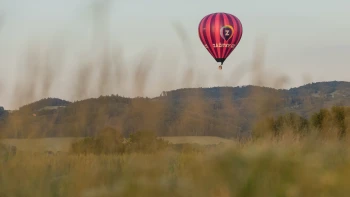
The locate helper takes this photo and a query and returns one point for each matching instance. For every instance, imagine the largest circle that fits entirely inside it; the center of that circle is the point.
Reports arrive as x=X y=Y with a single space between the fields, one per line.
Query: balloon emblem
x=220 y=34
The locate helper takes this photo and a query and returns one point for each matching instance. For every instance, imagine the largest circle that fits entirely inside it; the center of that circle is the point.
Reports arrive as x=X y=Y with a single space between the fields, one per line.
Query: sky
x=305 y=40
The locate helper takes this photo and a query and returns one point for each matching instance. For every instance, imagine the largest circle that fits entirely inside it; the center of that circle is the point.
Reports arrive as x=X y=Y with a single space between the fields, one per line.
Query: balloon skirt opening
x=221 y=60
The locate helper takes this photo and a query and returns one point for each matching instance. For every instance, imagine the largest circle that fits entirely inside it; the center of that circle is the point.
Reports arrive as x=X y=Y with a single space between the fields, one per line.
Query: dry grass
x=268 y=168
x=203 y=140
x=41 y=144
x=63 y=144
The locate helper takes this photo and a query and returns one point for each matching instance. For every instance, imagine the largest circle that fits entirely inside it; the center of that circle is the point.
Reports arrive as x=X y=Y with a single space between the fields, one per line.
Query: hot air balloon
x=220 y=34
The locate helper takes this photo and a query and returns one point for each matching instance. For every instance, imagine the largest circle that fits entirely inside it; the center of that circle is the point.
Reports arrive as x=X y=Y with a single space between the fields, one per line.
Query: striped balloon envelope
x=220 y=34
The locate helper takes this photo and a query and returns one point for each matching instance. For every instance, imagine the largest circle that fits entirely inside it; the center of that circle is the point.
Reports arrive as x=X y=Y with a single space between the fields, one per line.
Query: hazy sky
x=302 y=38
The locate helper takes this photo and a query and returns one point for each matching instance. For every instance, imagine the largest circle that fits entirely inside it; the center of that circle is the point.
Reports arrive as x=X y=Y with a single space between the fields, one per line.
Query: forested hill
x=217 y=111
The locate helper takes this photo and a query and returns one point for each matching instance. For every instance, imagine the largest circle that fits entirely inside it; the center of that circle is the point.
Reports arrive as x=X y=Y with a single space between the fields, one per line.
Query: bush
x=331 y=122
x=109 y=141
x=145 y=142
x=326 y=124
x=7 y=151
x=276 y=127
x=2 y=112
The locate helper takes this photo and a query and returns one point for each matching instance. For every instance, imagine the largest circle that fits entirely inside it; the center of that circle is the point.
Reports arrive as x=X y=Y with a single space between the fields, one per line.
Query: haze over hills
x=217 y=111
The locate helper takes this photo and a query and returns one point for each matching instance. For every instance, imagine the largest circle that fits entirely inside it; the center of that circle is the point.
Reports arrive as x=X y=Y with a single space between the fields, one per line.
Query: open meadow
x=287 y=167
x=63 y=144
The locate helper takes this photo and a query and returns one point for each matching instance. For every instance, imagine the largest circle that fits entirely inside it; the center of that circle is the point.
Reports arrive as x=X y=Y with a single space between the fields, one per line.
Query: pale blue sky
x=302 y=37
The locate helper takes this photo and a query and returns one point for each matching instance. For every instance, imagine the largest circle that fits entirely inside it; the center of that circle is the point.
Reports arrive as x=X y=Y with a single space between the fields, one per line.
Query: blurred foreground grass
x=287 y=167
x=259 y=168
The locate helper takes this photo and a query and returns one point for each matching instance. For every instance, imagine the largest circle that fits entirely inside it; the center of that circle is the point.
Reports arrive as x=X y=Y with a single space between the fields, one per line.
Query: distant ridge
x=214 y=111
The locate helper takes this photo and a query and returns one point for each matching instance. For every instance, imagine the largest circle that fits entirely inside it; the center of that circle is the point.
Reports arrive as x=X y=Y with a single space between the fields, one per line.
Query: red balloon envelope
x=220 y=33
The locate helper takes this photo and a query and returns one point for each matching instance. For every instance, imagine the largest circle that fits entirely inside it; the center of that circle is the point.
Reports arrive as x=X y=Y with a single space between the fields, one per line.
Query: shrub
x=109 y=141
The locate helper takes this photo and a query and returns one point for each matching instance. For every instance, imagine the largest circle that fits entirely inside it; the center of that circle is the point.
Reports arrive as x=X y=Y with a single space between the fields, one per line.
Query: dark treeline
x=229 y=112
x=324 y=124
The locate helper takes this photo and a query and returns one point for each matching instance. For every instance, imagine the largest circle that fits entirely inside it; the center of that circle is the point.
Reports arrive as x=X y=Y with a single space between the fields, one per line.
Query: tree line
x=326 y=123
x=229 y=112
